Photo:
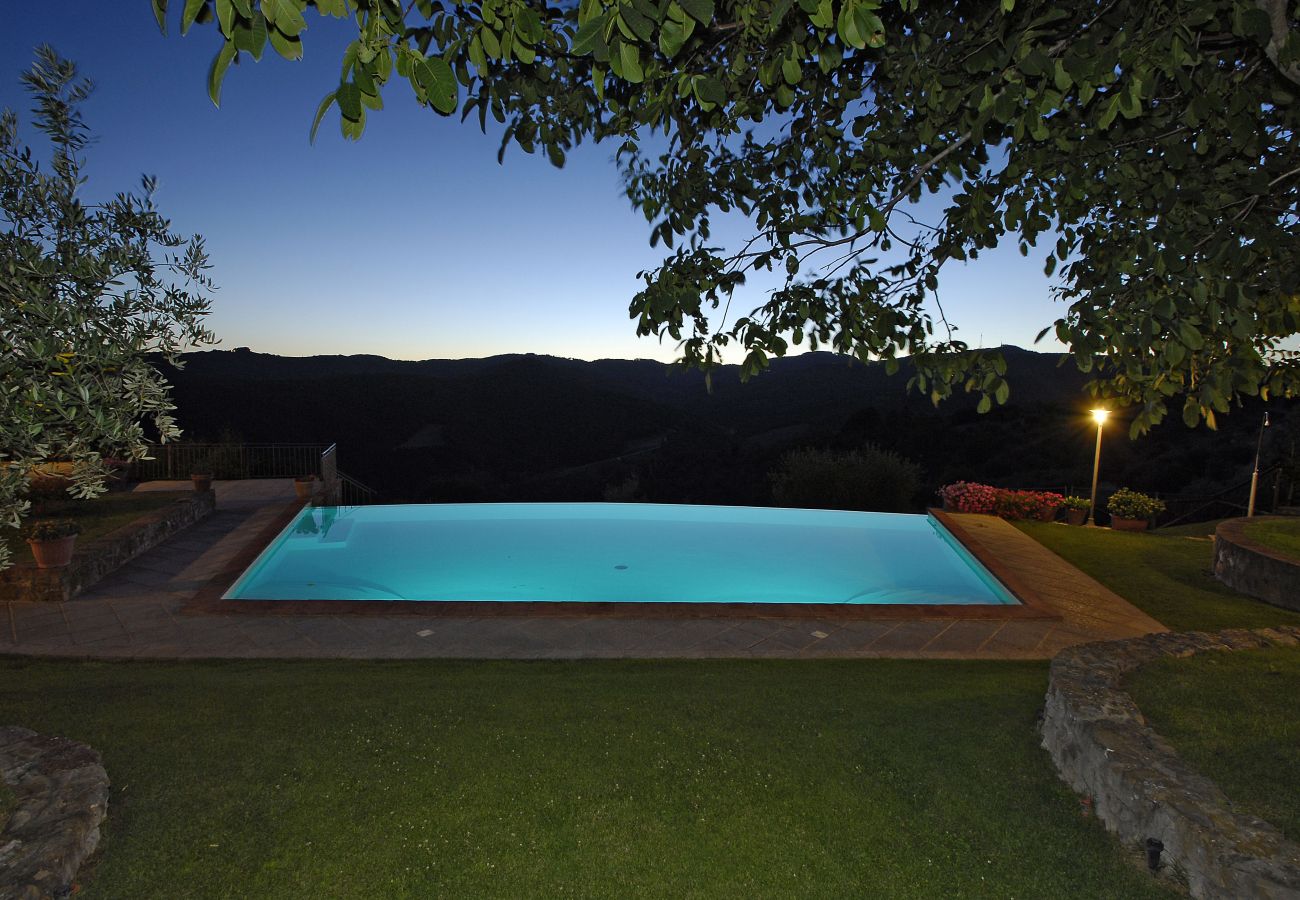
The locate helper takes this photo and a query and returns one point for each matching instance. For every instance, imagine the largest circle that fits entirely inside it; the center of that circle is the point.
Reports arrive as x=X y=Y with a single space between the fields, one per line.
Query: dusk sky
x=413 y=243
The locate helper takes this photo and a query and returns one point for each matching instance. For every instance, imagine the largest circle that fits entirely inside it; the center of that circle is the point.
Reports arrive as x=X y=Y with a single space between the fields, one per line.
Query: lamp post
x=1099 y=416
x=1254 y=476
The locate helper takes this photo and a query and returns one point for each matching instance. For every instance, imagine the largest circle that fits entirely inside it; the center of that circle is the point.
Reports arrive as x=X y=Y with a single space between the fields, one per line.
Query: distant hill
x=541 y=427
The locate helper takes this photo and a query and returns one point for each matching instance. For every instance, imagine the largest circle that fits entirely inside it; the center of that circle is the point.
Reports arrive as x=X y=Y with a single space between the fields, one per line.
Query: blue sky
x=413 y=243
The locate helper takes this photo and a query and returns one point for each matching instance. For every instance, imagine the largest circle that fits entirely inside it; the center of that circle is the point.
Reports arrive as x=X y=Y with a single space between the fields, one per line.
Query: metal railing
x=1227 y=503
x=229 y=461
x=240 y=461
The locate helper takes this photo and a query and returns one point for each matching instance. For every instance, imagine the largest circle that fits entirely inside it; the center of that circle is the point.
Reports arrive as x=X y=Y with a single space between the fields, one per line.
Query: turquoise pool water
x=621 y=552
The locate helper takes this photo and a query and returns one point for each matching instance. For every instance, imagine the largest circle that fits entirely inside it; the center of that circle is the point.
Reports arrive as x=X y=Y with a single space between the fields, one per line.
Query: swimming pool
x=617 y=553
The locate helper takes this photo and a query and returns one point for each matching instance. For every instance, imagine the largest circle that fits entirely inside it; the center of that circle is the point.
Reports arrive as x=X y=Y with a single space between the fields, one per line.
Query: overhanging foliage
x=1148 y=148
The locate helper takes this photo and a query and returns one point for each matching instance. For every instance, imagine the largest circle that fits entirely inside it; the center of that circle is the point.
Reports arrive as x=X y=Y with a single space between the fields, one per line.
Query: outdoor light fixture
x=1099 y=416
x=1254 y=476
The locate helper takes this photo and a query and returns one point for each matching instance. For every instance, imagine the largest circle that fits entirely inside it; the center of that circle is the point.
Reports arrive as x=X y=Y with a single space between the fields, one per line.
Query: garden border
x=101 y=556
x=1248 y=566
x=62 y=793
x=1138 y=785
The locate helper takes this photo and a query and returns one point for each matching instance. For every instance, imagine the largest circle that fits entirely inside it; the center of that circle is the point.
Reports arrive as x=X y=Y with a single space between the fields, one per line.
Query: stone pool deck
x=148 y=610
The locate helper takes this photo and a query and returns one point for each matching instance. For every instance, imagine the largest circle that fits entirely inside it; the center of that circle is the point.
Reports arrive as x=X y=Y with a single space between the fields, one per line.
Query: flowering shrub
x=969 y=497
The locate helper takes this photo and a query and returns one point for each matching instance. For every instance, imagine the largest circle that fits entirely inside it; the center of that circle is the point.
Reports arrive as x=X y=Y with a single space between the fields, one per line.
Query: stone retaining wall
x=62 y=794
x=97 y=558
x=1139 y=786
x=1253 y=569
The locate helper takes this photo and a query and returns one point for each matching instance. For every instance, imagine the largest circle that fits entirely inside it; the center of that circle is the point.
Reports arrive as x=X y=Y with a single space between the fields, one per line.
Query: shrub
x=1076 y=503
x=866 y=479
x=969 y=497
x=1132 y=505
x=52 y=529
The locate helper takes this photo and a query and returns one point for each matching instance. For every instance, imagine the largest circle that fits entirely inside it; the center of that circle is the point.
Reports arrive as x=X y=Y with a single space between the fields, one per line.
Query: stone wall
x=1138 y=785
x=1253 y=569
x=96 y=558
x=61 y=790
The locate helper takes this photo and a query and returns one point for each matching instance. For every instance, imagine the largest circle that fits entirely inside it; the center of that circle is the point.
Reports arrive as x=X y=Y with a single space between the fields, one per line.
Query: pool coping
x=209 y=599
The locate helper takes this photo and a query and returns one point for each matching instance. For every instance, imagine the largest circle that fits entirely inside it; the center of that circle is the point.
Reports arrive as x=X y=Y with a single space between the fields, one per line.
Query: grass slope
x=1232 y=717
x=1284 y=537
x=1165 y=574
x=886 y=778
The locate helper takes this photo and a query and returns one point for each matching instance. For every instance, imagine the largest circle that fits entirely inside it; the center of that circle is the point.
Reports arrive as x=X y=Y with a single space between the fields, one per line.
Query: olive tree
x=88 y=291
x=1147 y=150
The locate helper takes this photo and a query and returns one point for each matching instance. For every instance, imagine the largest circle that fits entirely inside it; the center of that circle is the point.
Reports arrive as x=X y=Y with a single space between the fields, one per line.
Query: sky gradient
x=413 y=243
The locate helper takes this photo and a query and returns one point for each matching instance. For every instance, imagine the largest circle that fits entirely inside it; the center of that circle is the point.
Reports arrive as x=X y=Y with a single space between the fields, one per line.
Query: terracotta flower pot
x=304 y=487
x=1048 y=513
x=201 y=482
x=53 y=554
x=1076 y=516
x=1119 y=523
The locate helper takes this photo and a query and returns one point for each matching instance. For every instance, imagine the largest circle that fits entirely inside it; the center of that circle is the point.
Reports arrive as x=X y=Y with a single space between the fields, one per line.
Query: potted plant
x=304 y=486
x=1076 y=509
x=1132 y=511
x=52 y=542
x=201 y=474
x=1050 y=504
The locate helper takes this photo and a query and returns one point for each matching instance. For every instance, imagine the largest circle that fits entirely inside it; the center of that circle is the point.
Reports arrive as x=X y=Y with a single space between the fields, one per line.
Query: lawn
x=1282 y=536
x=888 y=778
x=1233 y=717
x=1166 y=574
x=97 y=517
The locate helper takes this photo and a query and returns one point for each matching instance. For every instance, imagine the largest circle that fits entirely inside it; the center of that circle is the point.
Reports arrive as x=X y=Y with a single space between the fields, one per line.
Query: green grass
x=1284 y=537
x=1232 y=716
x=853 y=778
x=96 y=517
x=1166 y=574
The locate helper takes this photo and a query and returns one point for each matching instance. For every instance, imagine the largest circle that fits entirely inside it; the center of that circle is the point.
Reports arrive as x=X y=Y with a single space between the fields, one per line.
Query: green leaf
x=792 y=71
x=673 y=36
x=440 y=83
x=590 y=35
x=699 y=10
x=630 y=56
x=491 y=43
x=824 y=17
x=226 y=16
x=1190 y=335
x=710 y=90
x=847 y=26
x=217 y=71
x=285 y=15
x=349 y=100
x=642 y=28
x=1191 y=413
x=160 y=14
x=985 y=404
x=288 y=47
x=190 y=12
x=320 y=113
x=252 y=38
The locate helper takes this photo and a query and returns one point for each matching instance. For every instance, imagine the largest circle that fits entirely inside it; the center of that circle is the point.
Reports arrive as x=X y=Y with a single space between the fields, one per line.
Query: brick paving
x=146 y=610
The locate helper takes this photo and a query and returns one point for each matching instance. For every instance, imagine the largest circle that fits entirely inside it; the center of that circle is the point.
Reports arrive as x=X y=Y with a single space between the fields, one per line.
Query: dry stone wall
x=1138 y=785
x=1253 y=569
x=61 y=790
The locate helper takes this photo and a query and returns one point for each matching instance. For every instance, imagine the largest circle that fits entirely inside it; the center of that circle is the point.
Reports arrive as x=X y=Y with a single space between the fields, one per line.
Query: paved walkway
x=140 y=612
